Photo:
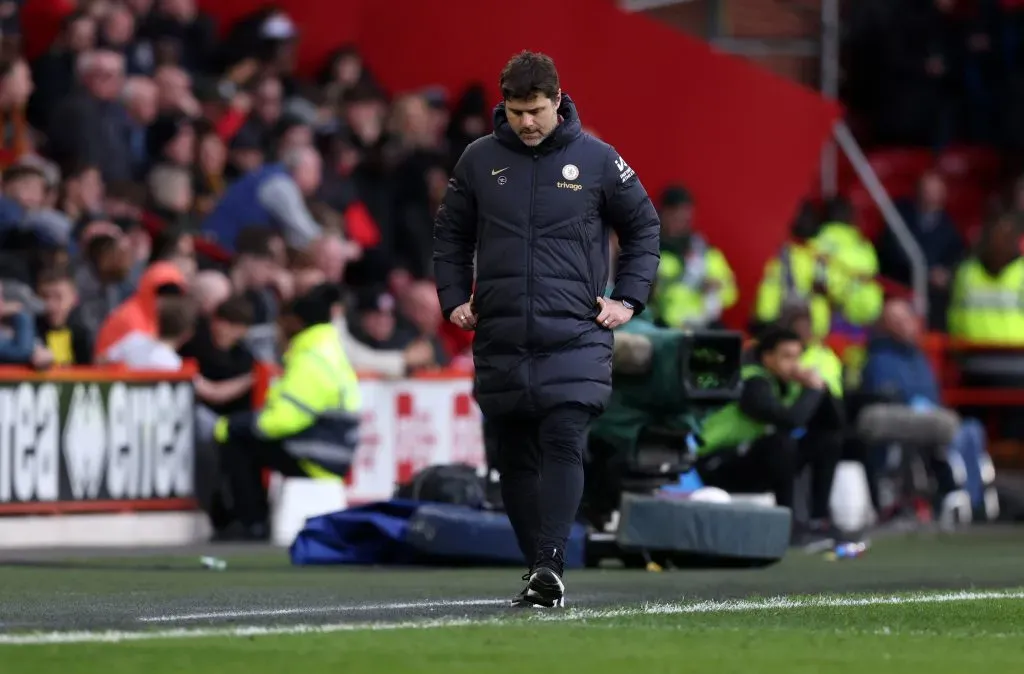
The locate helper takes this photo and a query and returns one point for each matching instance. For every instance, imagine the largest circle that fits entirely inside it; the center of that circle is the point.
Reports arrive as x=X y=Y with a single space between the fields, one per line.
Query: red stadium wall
x=745 y=141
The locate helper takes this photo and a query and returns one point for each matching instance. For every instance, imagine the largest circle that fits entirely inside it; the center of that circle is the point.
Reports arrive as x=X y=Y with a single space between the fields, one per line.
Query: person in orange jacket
x=139 y=312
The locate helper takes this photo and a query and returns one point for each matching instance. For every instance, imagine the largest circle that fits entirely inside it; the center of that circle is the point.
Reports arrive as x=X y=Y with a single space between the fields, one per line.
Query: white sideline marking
x=309 y=610
x=781 y=603
x=571 y=615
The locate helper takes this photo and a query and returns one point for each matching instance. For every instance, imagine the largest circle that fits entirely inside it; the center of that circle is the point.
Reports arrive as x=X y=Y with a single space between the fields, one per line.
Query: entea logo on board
x=29 y=443
x=85 y=442
x=80 y=441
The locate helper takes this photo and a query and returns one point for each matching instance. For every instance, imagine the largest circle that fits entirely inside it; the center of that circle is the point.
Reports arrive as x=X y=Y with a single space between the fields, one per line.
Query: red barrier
x=105 y=373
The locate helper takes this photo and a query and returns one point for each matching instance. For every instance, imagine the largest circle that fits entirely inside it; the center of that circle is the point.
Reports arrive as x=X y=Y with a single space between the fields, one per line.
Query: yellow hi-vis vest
x=791 y=276
x=681 y=304
x=823 y=359
x=856 y=264
x=987 y=309
x=314 y=407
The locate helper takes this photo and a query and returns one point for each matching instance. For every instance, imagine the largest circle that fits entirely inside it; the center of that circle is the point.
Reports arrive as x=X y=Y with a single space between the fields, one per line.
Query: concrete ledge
x=129 y=530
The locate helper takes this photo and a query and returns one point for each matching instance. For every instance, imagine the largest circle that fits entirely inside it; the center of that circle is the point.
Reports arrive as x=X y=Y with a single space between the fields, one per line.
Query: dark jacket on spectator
x=18 y=340
x=247 y=204
x=542 y=260
x=938 y=237
x=899 y=371
x=96 y=132
x=217 y=364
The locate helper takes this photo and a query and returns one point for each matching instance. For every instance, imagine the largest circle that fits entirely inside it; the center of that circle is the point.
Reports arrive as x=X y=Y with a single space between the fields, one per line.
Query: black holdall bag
x=454 y=484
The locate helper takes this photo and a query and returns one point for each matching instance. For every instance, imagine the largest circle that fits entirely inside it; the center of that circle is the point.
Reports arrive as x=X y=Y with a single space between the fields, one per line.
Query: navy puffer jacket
x=538 y=220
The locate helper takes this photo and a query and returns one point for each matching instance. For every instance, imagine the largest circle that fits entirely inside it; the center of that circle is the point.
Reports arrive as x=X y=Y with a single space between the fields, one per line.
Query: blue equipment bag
x=369 y=534
x=400 y=532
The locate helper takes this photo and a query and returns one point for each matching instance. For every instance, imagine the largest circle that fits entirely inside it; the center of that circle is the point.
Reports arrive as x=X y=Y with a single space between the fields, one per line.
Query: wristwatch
x=627 y=304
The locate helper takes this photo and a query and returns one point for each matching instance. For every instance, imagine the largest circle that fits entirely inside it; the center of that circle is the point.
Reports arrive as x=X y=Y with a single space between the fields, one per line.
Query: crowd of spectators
x=931 y=72
x=148 y=161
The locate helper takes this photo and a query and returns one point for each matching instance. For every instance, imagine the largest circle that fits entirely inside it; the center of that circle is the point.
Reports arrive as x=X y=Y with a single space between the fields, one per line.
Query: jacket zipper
x=529 y=282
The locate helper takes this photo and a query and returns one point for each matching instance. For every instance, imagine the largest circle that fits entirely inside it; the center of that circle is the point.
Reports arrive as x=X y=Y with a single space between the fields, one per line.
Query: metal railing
x=893 y=219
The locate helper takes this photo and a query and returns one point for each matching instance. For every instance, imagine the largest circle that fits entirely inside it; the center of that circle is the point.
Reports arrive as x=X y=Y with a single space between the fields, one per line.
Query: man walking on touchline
x=534 y=202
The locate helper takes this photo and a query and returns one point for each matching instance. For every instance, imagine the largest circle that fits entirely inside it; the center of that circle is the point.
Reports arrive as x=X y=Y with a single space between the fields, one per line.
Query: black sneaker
x=519 y=601
x=544 y=589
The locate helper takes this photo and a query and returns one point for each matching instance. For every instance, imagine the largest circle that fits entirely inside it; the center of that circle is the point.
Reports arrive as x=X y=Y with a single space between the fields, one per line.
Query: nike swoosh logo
x=494 y=173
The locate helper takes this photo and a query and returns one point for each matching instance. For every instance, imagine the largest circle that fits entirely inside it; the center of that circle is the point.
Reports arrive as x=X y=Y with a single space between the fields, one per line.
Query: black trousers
x=540 y=459
x=772 y=464
x=242 y=497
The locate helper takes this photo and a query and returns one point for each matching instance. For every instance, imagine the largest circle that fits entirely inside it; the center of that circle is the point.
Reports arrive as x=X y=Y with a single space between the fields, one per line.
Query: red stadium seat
x=977 y=165
x=896 y=165
x=900 y=188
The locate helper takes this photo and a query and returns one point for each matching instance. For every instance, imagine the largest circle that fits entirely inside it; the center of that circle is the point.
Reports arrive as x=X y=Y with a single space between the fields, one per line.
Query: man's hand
x=419 y=354
x=613 y=313
x=203 y=387
x=284 y=283
x=8 y=309
x=464 y=316
x=811 y=379
x=41 y=358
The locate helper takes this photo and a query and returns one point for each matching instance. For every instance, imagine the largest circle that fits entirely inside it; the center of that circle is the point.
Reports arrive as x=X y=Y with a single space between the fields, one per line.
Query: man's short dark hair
x=362 y=92
x=176 y=316
x=166 y=242
x=527 y=74
x=77 y=167
x=256 y=242
x=98 y=246
x=237 y=310
x=315 y=307
x=773 y=338
x=51 y=275
x=839 y=209
x=22 y=171
x=127 y=191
